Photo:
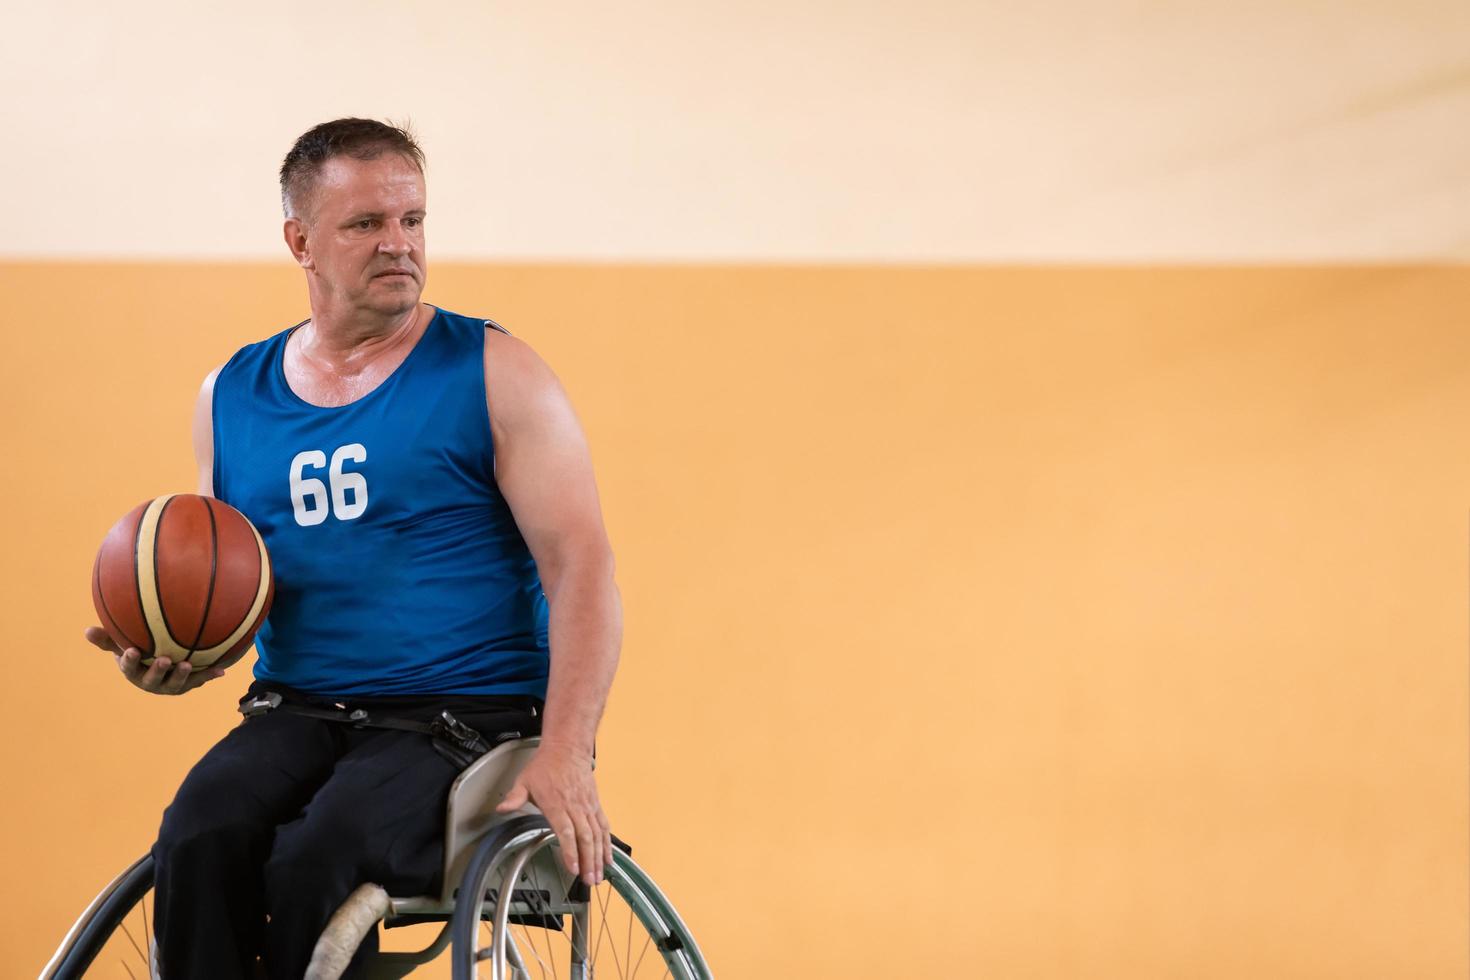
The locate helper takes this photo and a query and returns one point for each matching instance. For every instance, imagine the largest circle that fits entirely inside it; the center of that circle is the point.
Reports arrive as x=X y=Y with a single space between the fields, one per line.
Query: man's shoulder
x=510 y=359
x=517 y=379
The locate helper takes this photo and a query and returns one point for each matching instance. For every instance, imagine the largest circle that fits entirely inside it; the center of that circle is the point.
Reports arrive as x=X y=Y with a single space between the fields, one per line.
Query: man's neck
x=344 y=337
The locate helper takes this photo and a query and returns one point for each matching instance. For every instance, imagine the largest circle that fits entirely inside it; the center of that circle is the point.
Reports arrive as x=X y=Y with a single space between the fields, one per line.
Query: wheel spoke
x=531 y=942
x=549 y=935
x=540 y=912
x=129 y=933
x=628 y=957
x=647 y=938
x=601 y=922
x=617 y=961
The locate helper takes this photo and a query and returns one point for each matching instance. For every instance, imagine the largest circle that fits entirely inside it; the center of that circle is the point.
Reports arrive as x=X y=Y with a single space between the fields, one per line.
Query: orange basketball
x=184 y=577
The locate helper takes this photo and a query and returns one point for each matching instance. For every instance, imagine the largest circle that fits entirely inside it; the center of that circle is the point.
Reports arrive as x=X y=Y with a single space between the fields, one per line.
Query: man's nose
x=395 y=240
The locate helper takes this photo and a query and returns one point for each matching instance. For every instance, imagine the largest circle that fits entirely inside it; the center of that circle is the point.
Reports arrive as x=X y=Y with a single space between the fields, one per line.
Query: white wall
x=916 y=131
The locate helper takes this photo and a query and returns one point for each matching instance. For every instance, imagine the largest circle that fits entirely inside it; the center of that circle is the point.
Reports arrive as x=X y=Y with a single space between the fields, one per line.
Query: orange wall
x=1022 y=623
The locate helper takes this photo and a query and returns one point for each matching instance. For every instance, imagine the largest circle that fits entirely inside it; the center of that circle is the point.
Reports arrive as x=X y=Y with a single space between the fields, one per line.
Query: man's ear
x=295 y=232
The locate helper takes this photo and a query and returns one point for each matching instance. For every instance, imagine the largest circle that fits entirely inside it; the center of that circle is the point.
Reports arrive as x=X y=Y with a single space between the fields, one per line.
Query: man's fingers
x=130 y=663
x=607 y=844
x=159 y=677
x=604 y=839
x=560 y=819
x=587 y=845
x=163 y=676
x=98 y=637
x=514 y=799
x=153 y=677
x=566 y=832
x=600 y=860
x=598 y=856
x=581 y=837
x=571 y=808
x=593 y=837
x=175 y=682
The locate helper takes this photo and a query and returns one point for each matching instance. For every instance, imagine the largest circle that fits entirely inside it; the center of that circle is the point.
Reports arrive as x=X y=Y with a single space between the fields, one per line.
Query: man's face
x=364 y=233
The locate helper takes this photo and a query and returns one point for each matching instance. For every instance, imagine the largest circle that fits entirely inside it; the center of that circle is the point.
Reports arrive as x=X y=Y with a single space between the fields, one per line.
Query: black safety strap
x=453 y=739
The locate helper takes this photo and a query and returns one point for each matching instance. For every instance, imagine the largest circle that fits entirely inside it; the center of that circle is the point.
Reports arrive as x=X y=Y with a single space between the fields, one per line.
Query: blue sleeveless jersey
x=399 y=566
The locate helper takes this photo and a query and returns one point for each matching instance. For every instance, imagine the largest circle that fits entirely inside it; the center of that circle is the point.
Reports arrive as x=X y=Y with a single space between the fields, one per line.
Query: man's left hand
x=558 y=780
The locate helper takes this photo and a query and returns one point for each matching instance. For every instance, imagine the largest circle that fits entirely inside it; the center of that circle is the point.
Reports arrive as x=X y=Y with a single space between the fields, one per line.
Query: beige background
x=918 y=132
x=1031 y=437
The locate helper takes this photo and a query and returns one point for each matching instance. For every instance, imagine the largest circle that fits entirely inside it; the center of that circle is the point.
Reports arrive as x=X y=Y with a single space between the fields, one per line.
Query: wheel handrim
x=626 y=929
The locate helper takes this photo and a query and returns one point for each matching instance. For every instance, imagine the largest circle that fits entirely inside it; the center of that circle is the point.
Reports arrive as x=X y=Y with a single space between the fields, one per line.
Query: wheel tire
x=99 y=922
x=469 y=901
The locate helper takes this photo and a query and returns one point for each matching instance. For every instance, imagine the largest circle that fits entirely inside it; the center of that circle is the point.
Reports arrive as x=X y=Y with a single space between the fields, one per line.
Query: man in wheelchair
x=459 y=593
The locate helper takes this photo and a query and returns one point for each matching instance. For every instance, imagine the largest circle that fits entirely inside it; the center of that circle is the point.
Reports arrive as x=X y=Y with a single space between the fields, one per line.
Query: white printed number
x=309 y=495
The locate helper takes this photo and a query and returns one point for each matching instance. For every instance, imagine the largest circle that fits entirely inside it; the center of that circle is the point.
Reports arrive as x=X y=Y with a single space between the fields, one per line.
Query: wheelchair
x=508 y=907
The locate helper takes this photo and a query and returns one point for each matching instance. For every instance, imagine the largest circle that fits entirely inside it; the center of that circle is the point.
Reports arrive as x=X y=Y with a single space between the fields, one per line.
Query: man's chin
x=393 y=300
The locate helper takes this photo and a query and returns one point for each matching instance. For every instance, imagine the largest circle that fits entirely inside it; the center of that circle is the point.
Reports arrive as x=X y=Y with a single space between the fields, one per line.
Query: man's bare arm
x=544 y=470
x=203 y=429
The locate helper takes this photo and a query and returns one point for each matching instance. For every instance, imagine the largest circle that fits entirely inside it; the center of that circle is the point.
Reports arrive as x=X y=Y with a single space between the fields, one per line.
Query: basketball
x=184 y=577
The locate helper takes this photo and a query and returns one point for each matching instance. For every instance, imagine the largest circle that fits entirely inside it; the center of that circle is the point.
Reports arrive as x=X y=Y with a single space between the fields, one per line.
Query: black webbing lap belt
x=452 y=738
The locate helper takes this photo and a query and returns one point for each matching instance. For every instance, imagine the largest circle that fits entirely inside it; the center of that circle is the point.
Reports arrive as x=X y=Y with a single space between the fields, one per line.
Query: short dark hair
x=361 y=139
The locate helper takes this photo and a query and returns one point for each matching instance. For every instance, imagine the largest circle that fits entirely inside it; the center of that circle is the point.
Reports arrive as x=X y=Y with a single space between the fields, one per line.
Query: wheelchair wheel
x=113 y=936
x=520 y=915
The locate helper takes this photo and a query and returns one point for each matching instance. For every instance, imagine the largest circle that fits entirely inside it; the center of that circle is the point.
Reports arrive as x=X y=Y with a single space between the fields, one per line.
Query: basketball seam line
x=157 y=584
x=107 y=613
x=257 y=608
x=213 y=569
x=138 y=588
x=164 y=643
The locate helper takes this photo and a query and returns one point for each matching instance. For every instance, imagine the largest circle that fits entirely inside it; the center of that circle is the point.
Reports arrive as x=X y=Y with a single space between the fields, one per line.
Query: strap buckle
x=451 y=729
x=268 y=701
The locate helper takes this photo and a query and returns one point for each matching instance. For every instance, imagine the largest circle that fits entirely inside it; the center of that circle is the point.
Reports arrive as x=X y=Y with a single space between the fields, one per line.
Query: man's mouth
x=394 y=272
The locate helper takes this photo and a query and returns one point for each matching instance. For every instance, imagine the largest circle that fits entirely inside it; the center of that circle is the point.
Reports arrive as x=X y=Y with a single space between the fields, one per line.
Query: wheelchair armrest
x=472 y=802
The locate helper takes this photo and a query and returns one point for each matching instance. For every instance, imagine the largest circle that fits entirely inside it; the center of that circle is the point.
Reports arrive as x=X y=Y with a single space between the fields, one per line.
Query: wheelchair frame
x=482 y=849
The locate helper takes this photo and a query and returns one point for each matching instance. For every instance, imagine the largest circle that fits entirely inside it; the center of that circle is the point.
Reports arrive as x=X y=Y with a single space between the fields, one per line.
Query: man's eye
x=413 y=222
x=365 y=224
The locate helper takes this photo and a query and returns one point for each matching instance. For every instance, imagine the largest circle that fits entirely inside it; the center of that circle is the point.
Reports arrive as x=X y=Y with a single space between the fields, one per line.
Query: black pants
x=286 y=815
